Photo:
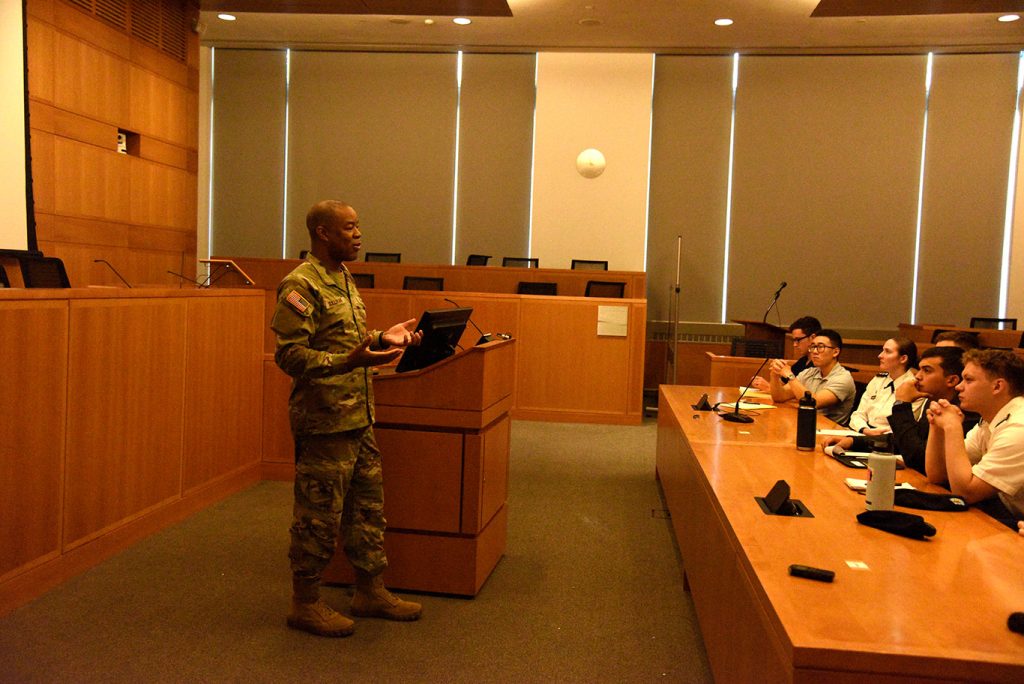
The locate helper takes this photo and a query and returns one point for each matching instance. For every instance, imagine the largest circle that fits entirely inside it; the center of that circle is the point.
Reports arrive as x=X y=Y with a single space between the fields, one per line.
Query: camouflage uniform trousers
x=338 y=492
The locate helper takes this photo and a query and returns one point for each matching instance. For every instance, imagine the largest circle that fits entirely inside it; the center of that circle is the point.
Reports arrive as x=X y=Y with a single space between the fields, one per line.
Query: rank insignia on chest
x=298 y=302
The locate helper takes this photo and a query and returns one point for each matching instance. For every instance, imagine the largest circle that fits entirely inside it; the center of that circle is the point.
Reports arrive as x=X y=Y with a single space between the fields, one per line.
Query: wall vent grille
x=162 y=24
x=692 y=338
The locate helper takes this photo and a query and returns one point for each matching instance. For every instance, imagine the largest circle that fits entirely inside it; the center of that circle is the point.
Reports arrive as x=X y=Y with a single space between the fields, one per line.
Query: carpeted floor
x=590 y=590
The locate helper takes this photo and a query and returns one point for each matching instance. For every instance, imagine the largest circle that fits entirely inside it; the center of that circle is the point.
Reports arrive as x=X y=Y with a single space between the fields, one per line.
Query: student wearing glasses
x=829 y=383
x=802 y=330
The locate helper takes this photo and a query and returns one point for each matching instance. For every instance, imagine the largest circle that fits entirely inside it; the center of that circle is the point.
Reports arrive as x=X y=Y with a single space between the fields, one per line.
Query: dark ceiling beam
x=889 y=8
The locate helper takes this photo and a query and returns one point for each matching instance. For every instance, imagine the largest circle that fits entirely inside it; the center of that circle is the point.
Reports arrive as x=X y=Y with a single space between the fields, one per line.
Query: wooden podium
x=759 y=330
x=444 y=436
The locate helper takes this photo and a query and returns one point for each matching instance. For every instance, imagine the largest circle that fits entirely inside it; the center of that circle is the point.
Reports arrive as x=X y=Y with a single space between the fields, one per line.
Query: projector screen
x=17 y=224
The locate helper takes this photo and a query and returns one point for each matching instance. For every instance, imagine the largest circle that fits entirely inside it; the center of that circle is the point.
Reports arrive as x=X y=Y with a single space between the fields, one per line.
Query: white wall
x=601 y=101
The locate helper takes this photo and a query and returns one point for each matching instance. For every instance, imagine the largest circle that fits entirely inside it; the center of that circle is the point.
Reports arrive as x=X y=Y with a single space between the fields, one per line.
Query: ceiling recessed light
x=723 y=22
x=226 y=17
x=462 y=21
x=428 y=22
x=589 y=21
x=1009 y=17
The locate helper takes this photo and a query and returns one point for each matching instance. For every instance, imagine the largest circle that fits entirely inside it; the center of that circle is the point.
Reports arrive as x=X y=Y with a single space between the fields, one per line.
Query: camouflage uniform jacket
x=318 y=320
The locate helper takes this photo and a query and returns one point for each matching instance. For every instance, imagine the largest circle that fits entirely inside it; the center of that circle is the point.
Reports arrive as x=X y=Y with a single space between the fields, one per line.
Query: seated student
x=898 y=362
x=986 y=466
x=802 y=330
x=829 y=383
x=937 y=377
x=957 y=338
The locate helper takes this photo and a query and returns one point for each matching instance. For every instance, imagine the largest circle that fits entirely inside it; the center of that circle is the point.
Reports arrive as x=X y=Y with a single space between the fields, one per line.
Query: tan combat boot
x=372 y=599
x=311 y=614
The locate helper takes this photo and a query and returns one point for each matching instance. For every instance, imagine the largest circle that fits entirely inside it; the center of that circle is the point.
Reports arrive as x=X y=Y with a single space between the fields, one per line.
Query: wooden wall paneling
x=84 y=27
x=278 y=446
x=161 y=195
x=126 y=382
x=92 y=232
x=90 y=81
x=40 y=44
x=224 y=392
x=84 y=129
x=165 y=153
x=79 y=262
x=32 y=431
x=40 y=9
x=43 y=181
x=90 y=182
x=162 y=65
x=149 y=267
x=157 y=107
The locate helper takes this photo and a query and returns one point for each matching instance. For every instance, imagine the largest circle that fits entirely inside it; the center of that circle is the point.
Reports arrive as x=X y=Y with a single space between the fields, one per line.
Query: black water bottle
x=806 y=422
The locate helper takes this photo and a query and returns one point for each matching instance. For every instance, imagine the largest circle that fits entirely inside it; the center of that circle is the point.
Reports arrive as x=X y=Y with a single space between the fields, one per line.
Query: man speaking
x=323 y=344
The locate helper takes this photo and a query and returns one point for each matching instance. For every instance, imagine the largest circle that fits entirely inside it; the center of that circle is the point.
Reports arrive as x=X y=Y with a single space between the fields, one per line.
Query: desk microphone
x=735 y=416
x=484 y=337
x=1016 y=622
x=111 y=267
x=775 y=298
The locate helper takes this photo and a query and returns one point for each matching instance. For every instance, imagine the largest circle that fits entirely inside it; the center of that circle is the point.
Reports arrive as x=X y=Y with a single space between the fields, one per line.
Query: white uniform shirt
x=996 y=451
x=875 y=405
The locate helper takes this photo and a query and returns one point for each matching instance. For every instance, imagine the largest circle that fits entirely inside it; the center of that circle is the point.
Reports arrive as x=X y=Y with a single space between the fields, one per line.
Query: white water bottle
x=881 y=487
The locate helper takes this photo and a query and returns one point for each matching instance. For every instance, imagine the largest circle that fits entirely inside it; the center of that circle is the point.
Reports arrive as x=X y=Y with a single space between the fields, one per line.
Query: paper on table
x=747 y=406
x=860 y=485
x=839 y=433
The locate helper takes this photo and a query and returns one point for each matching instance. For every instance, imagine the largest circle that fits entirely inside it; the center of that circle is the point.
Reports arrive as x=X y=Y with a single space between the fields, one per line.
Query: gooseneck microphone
x=775 y=298
x=735 y=416
x=185 y=278
x=484 y=337
x=111 y=267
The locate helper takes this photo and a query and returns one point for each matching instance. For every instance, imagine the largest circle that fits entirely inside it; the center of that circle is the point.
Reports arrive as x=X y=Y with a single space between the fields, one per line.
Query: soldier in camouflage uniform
x=323 y=344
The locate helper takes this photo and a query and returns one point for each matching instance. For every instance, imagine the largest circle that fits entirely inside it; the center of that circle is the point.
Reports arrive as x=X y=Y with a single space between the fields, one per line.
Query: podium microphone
x=775 y=298
x=735 y=416
x=484 y=337
x=110 y=266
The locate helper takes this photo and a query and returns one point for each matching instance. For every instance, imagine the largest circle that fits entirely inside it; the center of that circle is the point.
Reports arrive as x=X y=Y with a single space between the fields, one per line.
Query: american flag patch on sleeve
x=297 y=302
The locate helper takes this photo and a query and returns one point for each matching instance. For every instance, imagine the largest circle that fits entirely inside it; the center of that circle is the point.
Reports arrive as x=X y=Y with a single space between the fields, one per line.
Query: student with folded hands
x=829 y=383
x=985 y=467
x=938 y=375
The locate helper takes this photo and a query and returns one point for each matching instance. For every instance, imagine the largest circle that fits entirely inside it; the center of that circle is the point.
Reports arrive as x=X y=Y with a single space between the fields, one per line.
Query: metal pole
x=673 y=346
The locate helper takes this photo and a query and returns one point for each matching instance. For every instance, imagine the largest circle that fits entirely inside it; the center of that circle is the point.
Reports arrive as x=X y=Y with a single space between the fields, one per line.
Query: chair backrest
x=752 y=348
x=43 y=272
x=996 y=323
x=589 y=265
x=604 y=288
x=422 y=283
x=364 y=281
x=386 y=257
x=532 y=288
x=521 y=262
x=4 y=282
x=478 y=259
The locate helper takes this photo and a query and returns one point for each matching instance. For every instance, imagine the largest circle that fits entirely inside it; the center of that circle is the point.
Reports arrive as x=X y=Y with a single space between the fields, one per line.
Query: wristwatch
x=786 y=378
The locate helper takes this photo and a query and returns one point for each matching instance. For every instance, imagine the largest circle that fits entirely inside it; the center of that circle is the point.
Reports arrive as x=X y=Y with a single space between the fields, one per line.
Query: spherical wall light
x=590 y=163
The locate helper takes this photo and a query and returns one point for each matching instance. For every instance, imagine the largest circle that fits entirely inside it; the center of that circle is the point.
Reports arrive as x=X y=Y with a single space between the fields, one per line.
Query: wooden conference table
x=898 y=610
